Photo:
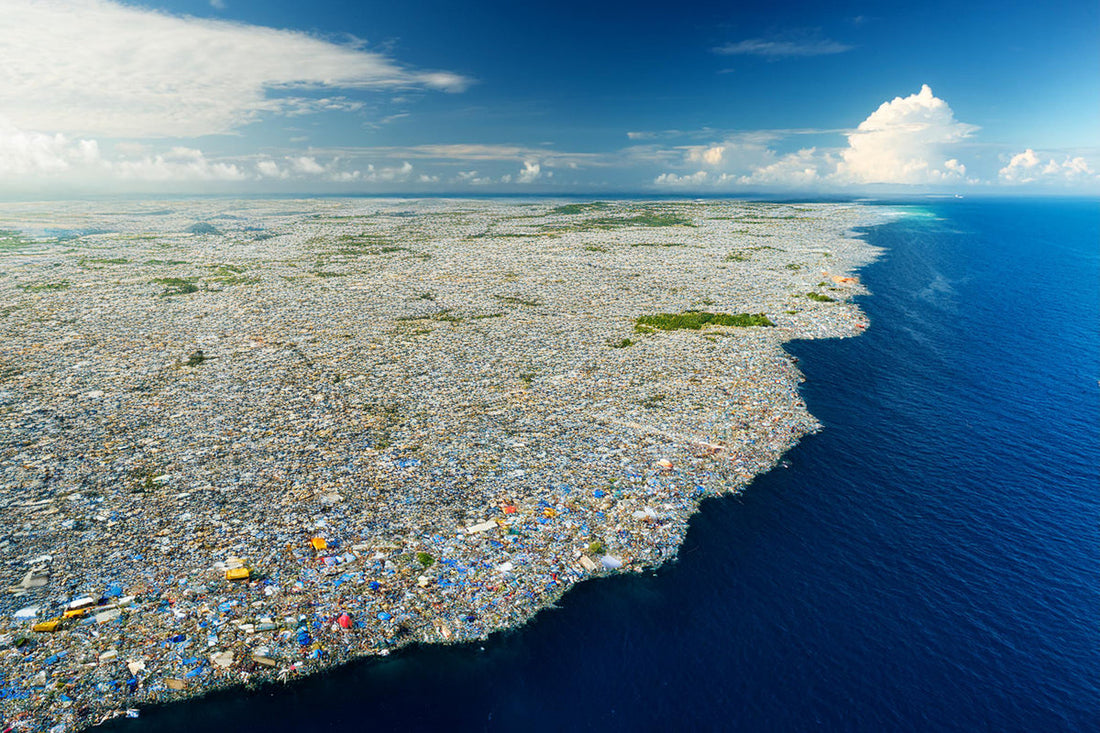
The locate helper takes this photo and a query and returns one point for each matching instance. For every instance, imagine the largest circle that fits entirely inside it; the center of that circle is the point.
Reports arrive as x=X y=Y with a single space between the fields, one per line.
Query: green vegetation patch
x=820 y=298
x=85 y=261
x=695 y=320
x=229 y=275
x=46 y=287
x=649 y=218
x=584 y=208
x=177 y=285
x=646 y=219
x=620 y=343
x=12 y=240
x=425 y=559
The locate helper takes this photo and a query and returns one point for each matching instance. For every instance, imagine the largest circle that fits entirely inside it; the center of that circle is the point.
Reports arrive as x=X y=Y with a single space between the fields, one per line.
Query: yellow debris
x=47 y=627
x=237 y=574
x=75 y=612
x=318 y=543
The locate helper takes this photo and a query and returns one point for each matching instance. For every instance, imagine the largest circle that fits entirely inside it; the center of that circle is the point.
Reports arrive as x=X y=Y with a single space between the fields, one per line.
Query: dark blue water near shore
x=929 y=561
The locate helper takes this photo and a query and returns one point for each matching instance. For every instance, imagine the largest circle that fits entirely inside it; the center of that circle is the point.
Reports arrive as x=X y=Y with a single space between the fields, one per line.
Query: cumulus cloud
x=307 y=164
x=271 y=169
x=397 y=173
x=31 y=159
x=711 y=155
x=531 y=171
x=688 y=179
x=98 y=67
x=905 y=141
x=1028 y=167
x=178 y=164
x=32 y=153
x=775 y=49
x=801 y=169
x=472 y=178
x=731 y=161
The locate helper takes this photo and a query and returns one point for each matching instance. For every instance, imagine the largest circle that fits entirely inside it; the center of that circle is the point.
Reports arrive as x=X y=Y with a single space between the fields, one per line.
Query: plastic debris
x=421 y=441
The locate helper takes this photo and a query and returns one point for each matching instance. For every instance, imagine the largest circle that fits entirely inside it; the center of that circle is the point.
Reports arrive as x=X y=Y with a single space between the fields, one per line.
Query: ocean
x=929 y=561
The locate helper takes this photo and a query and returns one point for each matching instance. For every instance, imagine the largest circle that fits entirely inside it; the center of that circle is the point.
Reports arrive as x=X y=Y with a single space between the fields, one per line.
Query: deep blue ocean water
x=930 y=561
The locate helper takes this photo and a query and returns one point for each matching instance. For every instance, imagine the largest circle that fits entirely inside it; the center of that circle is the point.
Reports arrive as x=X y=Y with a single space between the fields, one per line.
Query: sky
x=494 y=96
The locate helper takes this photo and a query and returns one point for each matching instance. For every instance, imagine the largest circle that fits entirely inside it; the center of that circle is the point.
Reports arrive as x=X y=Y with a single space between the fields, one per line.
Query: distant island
x=243 y=441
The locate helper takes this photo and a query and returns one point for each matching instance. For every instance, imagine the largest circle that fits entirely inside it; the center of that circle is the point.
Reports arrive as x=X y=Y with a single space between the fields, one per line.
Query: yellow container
x=47 y=627
x=238 y=574
x=318 y=543
x=75 y=612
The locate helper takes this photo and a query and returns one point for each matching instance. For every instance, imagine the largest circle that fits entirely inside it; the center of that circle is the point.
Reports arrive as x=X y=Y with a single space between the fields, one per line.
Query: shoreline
x=538 y=452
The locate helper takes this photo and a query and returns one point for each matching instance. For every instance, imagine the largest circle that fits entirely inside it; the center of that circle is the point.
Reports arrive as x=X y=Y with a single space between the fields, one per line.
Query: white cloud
x=801 y=169
x=472 y=178
x=692 y=179
x=775 y=49
x=33 y=153
x=298 y=106
x=307 y=164
x=217 y=4
x=531 y=171
x=27 y=157
x=904 y=141
x=97 y=67
x=710 y=155
x=346 y=176
x=271 y=169
x=178 y=164
x=398 y=173
x=1028 y=167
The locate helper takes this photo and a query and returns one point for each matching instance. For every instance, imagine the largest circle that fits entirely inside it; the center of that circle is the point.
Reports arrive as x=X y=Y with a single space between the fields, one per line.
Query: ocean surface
x=929 y=561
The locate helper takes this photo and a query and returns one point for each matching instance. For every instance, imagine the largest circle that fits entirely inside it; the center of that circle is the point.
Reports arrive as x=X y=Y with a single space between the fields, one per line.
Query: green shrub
x=695 y=320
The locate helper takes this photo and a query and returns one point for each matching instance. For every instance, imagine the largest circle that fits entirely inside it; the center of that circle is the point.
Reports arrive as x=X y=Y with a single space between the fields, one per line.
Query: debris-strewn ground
x=251 y=439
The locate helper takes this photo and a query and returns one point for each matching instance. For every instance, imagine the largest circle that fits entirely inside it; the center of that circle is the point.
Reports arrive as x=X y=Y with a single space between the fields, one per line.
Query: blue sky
x=434 y=96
